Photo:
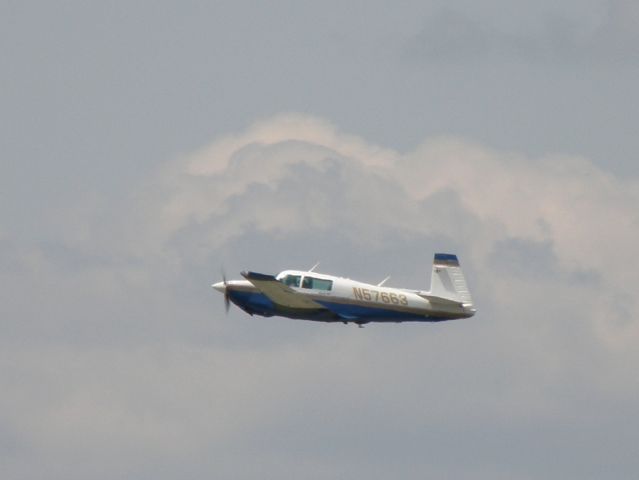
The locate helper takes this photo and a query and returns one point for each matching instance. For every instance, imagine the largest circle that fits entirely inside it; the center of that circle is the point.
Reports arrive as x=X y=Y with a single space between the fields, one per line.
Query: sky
x=147 y=146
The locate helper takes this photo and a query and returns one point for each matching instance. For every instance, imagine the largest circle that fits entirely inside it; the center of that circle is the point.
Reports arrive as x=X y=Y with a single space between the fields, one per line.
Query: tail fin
x=447 y=280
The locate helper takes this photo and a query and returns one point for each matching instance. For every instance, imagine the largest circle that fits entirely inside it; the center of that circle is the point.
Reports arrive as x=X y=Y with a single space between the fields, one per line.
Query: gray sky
x=147 y=144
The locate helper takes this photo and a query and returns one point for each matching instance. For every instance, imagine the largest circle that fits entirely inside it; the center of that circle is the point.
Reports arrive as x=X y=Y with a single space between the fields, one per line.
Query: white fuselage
x=348 y=300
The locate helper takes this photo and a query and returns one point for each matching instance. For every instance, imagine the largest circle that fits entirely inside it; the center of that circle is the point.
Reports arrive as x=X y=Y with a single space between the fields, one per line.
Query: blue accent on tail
x=446 y=258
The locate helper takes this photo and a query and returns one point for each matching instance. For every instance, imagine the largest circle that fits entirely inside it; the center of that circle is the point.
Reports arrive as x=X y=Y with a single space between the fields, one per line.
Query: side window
x=317 y=283
x=322 y=284
x=292 y=280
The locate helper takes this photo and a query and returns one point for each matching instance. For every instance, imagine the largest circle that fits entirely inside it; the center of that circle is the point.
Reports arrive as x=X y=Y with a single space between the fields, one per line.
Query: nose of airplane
x=219 y=286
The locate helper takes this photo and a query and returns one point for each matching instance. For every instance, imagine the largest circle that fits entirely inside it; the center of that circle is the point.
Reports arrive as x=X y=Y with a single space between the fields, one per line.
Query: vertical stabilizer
x=447 y=280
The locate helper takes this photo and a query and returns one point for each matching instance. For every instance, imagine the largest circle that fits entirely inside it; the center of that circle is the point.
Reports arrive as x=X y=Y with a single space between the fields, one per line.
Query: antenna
x=383 y=281
x=314 y=267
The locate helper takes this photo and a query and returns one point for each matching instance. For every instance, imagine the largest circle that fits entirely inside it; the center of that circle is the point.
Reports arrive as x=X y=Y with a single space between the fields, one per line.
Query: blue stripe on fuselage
x=260 y=304
x=253 y=302
x=369 y=313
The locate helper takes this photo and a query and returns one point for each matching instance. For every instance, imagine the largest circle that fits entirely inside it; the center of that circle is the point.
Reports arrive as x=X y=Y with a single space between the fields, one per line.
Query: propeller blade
x=227 y=298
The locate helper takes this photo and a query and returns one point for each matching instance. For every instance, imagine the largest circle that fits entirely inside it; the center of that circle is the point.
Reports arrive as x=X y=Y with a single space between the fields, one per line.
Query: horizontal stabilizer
x=442 y=301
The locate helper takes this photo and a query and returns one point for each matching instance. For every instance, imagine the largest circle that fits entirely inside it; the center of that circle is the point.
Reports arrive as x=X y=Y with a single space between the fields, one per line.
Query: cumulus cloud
x=316 y=179
x=137 y=358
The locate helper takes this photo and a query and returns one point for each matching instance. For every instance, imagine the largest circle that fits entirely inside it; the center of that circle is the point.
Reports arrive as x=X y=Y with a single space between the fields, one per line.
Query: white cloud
x=295 y=173
x=546 y=244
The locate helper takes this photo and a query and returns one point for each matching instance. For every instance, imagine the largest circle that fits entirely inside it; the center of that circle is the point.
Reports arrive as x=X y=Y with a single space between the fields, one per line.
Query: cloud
x=121 y=362
x=450 y=36
x=317 y=180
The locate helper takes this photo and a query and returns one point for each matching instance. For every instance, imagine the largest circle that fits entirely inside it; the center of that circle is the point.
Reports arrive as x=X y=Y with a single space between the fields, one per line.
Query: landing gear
x=359 y=324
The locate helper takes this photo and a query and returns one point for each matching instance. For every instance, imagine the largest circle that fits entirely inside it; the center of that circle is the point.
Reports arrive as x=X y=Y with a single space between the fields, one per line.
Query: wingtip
x=257 y=276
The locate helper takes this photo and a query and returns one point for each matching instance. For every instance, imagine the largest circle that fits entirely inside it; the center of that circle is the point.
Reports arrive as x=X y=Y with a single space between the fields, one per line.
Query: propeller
x=227 y=298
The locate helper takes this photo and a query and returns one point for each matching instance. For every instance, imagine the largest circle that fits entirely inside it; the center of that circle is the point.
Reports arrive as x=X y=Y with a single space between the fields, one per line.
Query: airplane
x=308 y=295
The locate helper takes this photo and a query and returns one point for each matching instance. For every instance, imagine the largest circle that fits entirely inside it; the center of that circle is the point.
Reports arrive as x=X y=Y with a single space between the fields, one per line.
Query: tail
x=447 y=280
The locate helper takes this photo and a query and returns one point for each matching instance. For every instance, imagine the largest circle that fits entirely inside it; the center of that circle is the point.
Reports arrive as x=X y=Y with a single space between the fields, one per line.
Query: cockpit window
x=292 y=280
x=317 y=283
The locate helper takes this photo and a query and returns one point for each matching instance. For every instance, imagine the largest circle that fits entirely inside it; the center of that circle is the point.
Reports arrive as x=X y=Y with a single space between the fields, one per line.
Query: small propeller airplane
x=307 y=295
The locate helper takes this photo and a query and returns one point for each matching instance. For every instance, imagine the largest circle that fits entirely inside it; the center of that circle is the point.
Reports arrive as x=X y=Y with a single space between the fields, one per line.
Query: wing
x=279 y=293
